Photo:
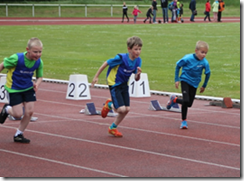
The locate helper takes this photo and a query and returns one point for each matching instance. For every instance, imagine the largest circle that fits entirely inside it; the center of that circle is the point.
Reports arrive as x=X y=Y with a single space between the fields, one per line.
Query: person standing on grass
x=207 y=10
x=22 y=90
x=119 y=71
x=221 y=8
x=149 y=13
x=164 y=6
x=192 y=7
x=192 y=67
x=135 y=13
x=215 y=6
x=154 y=5
x=125 y=9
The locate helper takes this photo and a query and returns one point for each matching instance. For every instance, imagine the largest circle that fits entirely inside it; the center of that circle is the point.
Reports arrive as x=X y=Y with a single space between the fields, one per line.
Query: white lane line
x=62 y=163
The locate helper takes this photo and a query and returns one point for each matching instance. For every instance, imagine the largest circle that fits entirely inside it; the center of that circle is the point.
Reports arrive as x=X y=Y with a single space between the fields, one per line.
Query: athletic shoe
x=21 y=139
x=3 y=114
x=105 y=109
x=114 y=132
x=184 y=125
x=171 y=101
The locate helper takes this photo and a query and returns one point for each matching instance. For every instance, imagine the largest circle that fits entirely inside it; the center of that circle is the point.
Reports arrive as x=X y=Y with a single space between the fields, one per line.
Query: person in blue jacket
x=192 y=67
x=119 y=71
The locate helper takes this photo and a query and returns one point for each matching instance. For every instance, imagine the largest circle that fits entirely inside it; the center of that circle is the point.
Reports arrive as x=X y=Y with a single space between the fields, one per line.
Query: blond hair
x=202 y=44
x=134 y=41
x=34 y=42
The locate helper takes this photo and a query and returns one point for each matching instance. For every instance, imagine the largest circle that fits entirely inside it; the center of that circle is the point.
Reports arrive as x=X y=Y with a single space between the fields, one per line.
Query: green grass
x=82 y=49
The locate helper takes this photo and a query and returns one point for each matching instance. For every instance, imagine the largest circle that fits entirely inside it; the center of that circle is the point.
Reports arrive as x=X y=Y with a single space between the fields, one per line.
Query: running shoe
x=105 y=109
x=3 y=114
x=171 y=101
x=114 y=132
x=21 y=139
x=184 y=125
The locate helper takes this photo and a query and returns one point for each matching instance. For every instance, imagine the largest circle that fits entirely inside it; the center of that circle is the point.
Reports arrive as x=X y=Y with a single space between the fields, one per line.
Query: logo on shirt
x=26 y=72
x=128 y=71
x=199 y=65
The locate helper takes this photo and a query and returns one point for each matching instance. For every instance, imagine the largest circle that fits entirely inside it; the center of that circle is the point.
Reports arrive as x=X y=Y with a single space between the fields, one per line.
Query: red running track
x=87 y=21
x=65 y=143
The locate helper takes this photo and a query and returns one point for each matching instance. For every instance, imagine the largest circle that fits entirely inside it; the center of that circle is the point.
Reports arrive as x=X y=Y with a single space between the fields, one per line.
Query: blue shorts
x=20 y=97
x=120 y=95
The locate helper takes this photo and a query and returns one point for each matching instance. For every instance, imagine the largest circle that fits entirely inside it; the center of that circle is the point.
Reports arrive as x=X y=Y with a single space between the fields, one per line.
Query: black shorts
x=120 y=95
x=20 y=97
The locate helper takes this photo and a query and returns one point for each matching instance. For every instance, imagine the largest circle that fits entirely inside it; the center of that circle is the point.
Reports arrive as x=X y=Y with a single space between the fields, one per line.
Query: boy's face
x=34 y=53
x=134 y=52
x=201 y=53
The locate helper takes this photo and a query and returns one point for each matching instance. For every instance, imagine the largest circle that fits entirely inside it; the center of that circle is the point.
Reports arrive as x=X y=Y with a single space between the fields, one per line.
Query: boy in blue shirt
x=192 y=66
x=119 y=71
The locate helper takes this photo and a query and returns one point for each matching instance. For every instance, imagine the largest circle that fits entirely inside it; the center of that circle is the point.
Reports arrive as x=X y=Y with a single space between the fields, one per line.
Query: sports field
x=65 y=143
x=83 y=44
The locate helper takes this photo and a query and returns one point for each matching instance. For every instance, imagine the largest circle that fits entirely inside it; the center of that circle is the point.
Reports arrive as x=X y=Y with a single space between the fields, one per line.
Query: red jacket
x=135 y=12
x=207 y=7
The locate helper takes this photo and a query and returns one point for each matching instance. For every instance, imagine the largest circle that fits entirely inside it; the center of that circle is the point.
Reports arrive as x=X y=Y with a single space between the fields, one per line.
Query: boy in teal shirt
x=192 y=66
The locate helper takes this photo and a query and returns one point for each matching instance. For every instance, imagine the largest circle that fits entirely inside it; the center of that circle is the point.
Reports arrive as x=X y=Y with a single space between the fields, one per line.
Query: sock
x=110 y=105
x=113 y=125
x=7 y=108
x=18 y=132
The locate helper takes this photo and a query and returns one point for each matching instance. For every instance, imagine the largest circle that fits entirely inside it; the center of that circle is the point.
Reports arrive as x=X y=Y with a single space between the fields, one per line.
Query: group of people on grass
x=176 y=9
x=22 y=89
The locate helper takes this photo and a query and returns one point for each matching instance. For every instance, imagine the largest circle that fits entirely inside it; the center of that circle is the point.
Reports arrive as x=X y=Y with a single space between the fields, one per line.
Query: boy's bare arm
x=137 y=76
x=1 y=67
x=95 y=79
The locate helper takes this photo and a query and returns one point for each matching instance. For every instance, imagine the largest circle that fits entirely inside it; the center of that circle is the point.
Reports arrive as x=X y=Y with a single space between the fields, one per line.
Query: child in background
x=215 y=6
x=125 y=9
x=135 y=13
x=149 y=13
x=192 y=66
x=21 y=88
x=207 y=10
x=119 y=71
x=180 y=19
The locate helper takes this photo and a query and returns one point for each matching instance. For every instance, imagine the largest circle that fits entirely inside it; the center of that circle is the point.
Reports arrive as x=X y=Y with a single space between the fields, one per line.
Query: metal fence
x=59 y=7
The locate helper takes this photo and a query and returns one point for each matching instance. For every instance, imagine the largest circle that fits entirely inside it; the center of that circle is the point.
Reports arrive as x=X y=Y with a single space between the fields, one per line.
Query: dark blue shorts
x=20 y=97
x=120 y=95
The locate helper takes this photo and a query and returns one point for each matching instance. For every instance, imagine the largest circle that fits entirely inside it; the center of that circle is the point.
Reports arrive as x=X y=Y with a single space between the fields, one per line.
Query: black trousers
x=188 y=94
x=125 y=14
x=219 y=15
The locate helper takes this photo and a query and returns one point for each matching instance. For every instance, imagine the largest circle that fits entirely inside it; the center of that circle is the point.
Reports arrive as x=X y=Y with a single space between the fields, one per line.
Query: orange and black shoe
x=105 y=109
x=114 y=132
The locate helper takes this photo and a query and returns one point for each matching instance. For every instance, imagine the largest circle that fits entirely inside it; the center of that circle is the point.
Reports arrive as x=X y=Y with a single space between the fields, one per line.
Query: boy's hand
x=202 y=89
x=94 y=81
x=177 y=84
x=138 y=70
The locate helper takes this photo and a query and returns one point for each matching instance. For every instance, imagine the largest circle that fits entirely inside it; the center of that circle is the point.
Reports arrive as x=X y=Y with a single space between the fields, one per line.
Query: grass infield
x=82 y=49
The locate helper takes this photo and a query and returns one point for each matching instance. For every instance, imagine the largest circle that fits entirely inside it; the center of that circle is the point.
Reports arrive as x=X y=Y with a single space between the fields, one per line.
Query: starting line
x=90 y=109
x=155 y=106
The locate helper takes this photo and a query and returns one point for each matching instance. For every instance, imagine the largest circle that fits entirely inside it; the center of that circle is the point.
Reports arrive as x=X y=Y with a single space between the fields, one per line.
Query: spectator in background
x=221 y=8
x=125 y=12
x=207 y=10
x=181 y=13
x=149 y=13
x=164 y=6
x=154 y=5
x=215 y=7
x=135 y=13
x=192 y=7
